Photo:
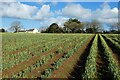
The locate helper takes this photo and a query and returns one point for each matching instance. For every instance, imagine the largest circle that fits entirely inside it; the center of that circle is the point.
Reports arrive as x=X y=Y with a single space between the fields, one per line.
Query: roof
x=22 y=31
x=30 y=30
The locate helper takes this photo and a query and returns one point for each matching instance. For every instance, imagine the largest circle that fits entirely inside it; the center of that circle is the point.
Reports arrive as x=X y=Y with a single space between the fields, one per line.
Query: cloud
x=24 y=11
x=58 y=0
x=106 y=14
x=43 y=13
x=7 y=0
x=64 y=0
x=59 y=20
x=77 y=11
x=54 y=3
x=17 y=10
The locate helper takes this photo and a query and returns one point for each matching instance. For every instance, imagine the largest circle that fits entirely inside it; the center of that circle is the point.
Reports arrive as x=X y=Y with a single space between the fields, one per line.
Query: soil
x=70 y=67
x=74 y=66
x=17 y=68
x=21 y=66
x=25 y=48
x=37 y=72
x=114 y=50
x=102 y=63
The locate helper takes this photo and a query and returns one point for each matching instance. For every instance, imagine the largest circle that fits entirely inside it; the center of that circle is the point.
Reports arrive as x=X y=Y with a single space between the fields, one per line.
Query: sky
x=42 y=14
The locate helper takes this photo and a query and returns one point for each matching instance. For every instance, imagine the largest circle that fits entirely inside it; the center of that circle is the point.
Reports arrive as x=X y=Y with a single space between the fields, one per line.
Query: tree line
x=73 y=25
x=76 y=26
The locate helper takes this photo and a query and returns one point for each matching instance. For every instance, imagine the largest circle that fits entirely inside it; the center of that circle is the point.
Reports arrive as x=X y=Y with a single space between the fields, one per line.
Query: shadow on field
x=113 y=47
x=102 y=63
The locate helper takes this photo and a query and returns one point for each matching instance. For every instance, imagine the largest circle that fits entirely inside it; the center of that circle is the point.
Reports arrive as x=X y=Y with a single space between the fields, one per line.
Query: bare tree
x=96 y=26
x=16 y=26
x=115 y=27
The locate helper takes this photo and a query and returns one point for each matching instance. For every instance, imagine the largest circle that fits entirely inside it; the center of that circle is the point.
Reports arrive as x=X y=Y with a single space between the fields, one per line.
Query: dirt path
x=73 y=66
x=102 y=63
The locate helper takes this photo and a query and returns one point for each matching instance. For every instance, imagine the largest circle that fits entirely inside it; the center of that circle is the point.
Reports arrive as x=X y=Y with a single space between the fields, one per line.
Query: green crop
x=90 y=66
x=113 y=66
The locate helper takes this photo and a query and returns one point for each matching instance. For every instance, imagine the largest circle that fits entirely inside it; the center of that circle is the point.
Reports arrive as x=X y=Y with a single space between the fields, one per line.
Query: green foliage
x=113 y=66
x=90 y=66
x=46 y=73
x=73 y=25
x=59 y=50
x=54 y=28
x=58 y=63
x=116 y=44
x=25 y=41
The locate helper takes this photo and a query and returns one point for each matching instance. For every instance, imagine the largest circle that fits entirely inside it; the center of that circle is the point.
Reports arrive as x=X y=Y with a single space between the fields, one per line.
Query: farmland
x=71 y=56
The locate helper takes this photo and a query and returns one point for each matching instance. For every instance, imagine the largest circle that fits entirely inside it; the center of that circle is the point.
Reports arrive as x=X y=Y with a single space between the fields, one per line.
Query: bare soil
x=37 y=72
x=69 y=68
x=21 y=66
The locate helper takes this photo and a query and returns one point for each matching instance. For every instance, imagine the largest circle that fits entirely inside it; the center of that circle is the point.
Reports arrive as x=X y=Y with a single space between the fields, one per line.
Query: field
x=70 y=56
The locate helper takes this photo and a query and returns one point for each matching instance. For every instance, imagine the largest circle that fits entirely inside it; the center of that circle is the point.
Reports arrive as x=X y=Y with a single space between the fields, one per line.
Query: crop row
x=29 y=42
x=22 y=56
x=114 y=37
x=90 y=66
x=13 y=42
x=39 y=63
x=113 y=66
x=73 y=40
x=58 y=63
x=117 y=45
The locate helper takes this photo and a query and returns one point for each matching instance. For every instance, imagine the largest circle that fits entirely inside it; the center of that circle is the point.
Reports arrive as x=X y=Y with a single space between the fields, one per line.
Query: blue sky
x=42 y=14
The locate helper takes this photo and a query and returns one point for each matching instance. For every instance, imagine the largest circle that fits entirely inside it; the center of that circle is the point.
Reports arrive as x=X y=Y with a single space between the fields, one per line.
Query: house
x=32 y=30
x=22 y=31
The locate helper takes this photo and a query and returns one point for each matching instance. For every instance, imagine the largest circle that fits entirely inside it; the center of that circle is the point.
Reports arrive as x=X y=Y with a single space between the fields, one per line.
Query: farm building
x=22 y=31
x=32 y=30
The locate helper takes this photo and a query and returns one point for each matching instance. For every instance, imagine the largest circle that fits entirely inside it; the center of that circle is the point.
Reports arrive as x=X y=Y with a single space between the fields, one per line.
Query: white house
x=32 y=30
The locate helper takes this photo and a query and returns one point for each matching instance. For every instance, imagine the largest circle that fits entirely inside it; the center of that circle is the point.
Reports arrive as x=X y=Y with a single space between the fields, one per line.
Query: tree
x=96 y=26
x=54 y=28
x=73 y=25
x=87 y=26
x=16 y=26
x=42 y=29
x=93 y=27
x=2 y=30
x=114 y=28
x=89 y=30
